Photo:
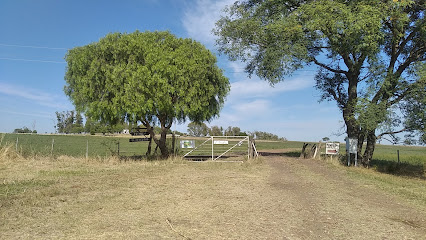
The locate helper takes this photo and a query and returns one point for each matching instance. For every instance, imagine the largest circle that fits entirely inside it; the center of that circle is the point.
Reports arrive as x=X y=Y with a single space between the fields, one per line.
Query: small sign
x=332 y=148
x=351 y=145
x=139 y=139
x=139 y=133
x=187 y=144
x=223 y=142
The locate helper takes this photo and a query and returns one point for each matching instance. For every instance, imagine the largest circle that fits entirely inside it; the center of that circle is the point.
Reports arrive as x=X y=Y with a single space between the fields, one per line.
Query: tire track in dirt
x=327 y=204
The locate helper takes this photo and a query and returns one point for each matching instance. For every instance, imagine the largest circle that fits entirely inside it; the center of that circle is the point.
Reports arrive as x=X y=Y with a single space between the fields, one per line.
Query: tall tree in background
x=369 y=54
x=153 y=78
x=198 y=129
x=69 y=122
x=216 y=131
x=233 y=131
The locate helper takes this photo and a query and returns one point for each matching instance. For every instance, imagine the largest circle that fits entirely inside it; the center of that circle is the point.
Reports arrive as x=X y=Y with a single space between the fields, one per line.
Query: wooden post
x=356 y=159
x=53 y=143
x=118 y=148
x=398 y=156
x=349 y=158
x=212 y=147
x=302 y=154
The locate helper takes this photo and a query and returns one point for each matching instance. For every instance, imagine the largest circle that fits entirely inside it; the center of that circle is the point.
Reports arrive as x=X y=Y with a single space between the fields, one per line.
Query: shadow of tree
x=399 y=169
x=281 y=154
x=384 y=166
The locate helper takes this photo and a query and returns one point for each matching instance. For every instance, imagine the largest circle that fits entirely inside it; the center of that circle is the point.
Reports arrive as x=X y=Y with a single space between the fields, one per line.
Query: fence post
x=398 y=155
x=87 y=149
x=118 y=148
x=53 y=143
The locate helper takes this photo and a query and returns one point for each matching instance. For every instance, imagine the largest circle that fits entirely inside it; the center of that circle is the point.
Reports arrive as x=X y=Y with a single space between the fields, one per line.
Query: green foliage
x=93 y=127
x=69 y=122
x=216 y=131
x=414 y=109
x=267 y=136
x=23 y=130
x=151 y=77
x=233 y=131
x=366 y=52
x=198 y=129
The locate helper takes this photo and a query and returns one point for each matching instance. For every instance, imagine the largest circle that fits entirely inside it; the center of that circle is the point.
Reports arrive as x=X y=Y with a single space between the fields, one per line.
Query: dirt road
x=321 y=202
x=276 y=198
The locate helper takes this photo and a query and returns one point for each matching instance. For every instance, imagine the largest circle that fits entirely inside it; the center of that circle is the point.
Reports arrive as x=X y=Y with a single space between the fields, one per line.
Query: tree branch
x=329 y=68
x=404 y=42
x=391 y=132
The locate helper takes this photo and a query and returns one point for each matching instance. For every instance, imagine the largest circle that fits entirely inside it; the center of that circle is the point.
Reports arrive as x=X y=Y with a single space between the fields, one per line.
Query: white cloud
x=199 y=19
x=245 y=87
x=38 y=115
x=259 y=88
x=253 y=104
x=34 y=95
x=256 y=106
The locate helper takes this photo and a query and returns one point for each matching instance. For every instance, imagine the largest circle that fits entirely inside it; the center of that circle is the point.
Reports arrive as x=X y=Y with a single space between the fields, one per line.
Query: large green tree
x=69 y=122
x=368 y=53
x=153 y=78
x=198 y=129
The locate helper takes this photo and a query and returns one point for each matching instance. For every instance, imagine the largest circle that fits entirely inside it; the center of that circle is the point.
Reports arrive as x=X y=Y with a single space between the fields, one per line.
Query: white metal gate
x=219 y=147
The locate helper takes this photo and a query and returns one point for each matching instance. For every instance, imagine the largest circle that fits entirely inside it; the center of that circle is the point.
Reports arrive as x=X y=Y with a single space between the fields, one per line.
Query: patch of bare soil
x=279 y=198
x=320 y=202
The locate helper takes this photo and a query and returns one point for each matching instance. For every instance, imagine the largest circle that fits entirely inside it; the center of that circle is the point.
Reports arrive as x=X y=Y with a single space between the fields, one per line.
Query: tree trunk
x=173 y=143
x=361 y=138
x=162 y=144
x=352 y=126
x=369 y=149
x=148 y=152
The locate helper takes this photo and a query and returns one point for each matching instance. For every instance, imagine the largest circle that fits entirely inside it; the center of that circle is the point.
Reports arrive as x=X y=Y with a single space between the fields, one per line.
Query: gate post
x=212 y=148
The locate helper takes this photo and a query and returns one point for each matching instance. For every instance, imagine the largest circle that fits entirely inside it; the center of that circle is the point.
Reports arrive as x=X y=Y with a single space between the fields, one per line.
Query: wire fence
x=74 y=145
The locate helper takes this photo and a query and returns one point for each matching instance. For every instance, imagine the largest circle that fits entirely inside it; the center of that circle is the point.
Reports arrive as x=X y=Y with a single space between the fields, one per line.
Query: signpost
x=332 y=148
x=139 y=139
x=139 y=133
x=352 y=147
x=187 y=144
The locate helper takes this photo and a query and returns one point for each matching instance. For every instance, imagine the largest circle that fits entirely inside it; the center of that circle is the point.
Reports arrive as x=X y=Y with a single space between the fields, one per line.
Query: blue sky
x=35 y=35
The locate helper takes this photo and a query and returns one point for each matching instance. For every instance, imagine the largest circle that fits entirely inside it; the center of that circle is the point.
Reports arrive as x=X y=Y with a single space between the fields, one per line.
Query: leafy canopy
x=367 y=51
x=152 y=77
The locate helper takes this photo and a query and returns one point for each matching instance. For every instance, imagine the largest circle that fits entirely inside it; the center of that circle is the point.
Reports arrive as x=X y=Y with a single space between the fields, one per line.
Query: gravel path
x=321 y=202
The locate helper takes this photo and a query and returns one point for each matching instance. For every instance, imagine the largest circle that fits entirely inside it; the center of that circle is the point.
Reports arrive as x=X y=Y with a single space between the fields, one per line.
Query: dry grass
x=64 y=197
x=105 y=198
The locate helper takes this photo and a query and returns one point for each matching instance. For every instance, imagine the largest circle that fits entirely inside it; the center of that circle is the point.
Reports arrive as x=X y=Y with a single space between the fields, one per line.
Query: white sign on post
x=187 y=144
x=351 y=145
x=332 y=148
x=351 y=148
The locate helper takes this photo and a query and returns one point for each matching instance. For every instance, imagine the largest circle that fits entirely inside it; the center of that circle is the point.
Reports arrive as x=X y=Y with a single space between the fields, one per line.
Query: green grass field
x=73 y=145
x=385 y=159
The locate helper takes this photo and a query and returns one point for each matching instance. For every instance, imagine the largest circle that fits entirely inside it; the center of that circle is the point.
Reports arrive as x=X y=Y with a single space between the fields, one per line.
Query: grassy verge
x=73 y=145
x=412 y=160
x=66 y=197
x=412 y=189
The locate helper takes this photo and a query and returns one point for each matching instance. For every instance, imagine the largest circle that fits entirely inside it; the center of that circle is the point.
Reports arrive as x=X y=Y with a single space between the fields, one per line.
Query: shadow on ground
x=384 y=166
x=399 y=169
x=281 y=154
